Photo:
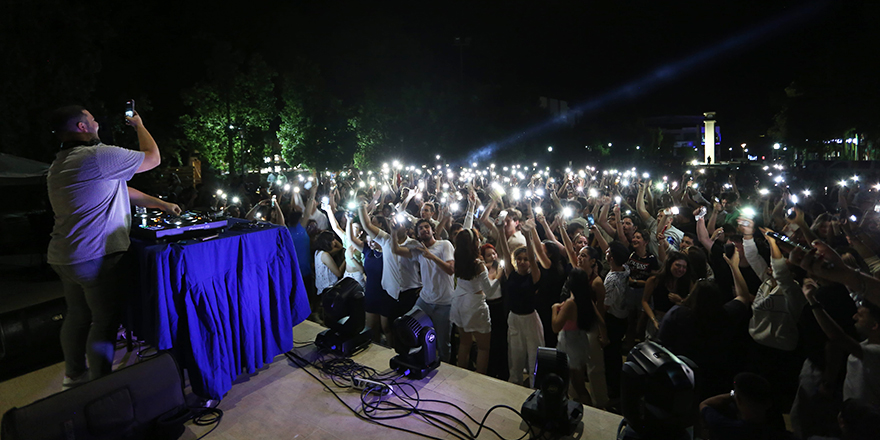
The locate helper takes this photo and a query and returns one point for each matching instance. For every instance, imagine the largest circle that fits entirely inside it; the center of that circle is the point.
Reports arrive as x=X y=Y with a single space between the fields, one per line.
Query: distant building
x=685 y=132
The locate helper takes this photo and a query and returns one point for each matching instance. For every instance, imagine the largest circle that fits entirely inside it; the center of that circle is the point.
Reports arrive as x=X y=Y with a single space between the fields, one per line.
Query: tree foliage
x=231 y=113
x=314 y=129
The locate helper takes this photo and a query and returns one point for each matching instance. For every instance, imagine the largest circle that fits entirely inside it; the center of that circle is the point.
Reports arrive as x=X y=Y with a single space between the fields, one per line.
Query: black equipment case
x=143 y=401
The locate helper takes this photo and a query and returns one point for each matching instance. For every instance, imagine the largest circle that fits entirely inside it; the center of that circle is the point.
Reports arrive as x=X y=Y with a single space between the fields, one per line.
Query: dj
x=91 y=201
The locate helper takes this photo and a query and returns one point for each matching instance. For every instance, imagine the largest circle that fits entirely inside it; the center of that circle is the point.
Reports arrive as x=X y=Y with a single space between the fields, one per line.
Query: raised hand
x=734 y=260
x=527 y=225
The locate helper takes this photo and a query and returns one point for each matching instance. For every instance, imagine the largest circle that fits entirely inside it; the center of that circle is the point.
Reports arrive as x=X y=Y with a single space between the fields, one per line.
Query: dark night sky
x=571 y=50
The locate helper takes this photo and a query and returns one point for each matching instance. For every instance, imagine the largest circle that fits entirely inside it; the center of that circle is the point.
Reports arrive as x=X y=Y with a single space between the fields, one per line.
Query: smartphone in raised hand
x=786 y=241
x=129 y=108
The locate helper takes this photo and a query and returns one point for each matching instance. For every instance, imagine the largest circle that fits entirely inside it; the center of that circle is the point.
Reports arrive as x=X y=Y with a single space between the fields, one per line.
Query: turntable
x=157 y=225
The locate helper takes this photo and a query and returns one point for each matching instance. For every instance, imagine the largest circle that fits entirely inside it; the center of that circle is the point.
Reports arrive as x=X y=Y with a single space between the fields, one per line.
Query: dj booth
x=224 y=303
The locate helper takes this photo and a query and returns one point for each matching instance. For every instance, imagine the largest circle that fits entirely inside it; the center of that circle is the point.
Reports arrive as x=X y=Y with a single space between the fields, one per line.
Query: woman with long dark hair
x=497 y=314
x=705 y=325
x=642 y=264
x=662 y=290
x=469 y=311
x=327 y=272
x=519 y=286
x=580 y=321
x=554 y=266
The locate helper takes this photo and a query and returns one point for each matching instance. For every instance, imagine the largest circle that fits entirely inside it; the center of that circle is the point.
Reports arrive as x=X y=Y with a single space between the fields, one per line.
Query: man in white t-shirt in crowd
x=510 y=219
x=91 y=202
x=426 y=212
x=400 y=276
x=436 y=261
x=863 y=365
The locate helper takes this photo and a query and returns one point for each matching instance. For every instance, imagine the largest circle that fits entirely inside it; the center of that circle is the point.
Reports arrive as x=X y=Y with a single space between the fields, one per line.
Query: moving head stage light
x=344 y=315
x=417 y=345
x=658 y=394
x=549 y=409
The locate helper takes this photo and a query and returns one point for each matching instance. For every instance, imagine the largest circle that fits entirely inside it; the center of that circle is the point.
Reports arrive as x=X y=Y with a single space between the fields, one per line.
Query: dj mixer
x=157 y=225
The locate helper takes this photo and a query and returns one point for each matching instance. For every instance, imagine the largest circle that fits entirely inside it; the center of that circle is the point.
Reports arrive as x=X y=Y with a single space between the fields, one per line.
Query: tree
x=232 y=111
x=371 y=136
x=314 y=130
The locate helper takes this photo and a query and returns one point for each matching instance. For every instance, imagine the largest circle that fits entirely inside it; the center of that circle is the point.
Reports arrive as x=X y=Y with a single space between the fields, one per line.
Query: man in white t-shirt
x=863 y=364
x=90 y=200
x=400 y=276
x=320 y=219
x=436 y=263
x=515 y=238
x=511 y=228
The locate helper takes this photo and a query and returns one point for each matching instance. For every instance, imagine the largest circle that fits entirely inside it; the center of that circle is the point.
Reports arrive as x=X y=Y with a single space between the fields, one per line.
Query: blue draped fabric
x=224 y=306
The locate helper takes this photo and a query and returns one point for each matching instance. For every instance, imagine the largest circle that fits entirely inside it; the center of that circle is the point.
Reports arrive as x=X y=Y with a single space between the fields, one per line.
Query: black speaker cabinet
x=143 y=401
x=29 y=337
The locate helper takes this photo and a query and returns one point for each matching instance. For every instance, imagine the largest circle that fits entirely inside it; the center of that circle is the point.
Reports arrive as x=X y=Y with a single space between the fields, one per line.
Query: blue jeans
x=439 y=315
x=94 y=312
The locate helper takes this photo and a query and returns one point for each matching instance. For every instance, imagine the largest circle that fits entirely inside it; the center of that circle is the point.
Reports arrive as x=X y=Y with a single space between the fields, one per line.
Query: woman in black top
x=666 y=289
x=704 y=327
x=519 y=288
x=553 y=277
x=642 y=263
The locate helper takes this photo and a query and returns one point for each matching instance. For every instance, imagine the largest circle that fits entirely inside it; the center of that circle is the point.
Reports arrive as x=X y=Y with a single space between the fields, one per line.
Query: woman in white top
x=351 y=243
x=327 y=272
x=469 y=311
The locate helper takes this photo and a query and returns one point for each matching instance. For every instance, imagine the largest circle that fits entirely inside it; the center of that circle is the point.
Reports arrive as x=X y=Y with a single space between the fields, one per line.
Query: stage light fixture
x=417 y=345
x=549 y=409
x=658 y=394
x=344 y=315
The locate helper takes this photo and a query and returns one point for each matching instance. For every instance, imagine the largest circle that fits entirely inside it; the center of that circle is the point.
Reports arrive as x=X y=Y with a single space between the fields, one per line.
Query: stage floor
x=283 y=401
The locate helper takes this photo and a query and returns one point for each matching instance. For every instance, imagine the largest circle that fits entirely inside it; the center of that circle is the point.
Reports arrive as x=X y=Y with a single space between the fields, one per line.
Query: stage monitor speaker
x=143 y=401
x=30 y=337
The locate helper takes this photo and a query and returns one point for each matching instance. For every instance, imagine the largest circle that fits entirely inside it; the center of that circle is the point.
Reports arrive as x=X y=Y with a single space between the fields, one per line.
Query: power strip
x=371 y=385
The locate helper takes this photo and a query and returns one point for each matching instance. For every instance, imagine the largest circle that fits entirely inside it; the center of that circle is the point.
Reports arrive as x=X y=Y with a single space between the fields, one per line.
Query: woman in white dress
x=469 y=312
x=352 y=243
x=327 y=272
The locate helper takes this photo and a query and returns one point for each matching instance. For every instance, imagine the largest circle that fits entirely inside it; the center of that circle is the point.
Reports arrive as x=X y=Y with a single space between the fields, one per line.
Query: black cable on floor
x=207 y=416
x=296 y=359
x=342 y=371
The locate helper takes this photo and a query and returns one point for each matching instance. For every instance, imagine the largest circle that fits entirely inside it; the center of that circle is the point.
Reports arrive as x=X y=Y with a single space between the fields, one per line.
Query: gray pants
x=439 y=315
x=94 y=312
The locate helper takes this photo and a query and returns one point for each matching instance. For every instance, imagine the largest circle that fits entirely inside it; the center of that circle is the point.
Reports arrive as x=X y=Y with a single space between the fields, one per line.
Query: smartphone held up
x=129 y=108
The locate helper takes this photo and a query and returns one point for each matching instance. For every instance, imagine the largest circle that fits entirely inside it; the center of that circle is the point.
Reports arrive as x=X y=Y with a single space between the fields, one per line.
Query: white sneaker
x=72 y=382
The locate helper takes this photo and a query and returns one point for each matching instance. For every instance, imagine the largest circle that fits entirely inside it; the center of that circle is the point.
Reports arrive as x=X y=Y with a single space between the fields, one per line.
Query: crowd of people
x=770 y=291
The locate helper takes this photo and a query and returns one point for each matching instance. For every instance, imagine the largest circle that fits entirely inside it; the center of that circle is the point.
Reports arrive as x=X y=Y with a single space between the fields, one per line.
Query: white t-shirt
x=616 y=288
x=863 y=375
x=321 y=219
x=89 y=196
x=437 y=285
x=671 y=231
x=394 y=277
x=515 y=241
